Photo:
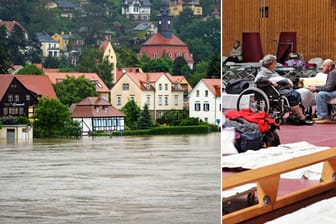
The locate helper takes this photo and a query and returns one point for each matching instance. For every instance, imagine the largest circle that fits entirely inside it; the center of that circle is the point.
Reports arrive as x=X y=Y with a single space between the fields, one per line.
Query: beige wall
x=20 y=134
x=112 y=59
x=125 y=95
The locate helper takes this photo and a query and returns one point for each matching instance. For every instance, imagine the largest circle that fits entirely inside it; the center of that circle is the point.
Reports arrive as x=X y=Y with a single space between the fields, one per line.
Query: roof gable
x=39 y=84
x=94 y=107
x=214 y=85
x=56 y=77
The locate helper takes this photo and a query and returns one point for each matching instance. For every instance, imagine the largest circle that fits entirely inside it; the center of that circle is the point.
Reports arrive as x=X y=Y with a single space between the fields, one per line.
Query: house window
x=156 y=55
x=21 y=110
x=10 y=98
x=206 y=107
x=176 y=100
x=27 y=97
x=5 y=110
x=160 y=100
x=206 y=93
x=197 y=93
x=148 y=100
x=97 y=108
x=125 y=86
x=166 y=100
x=176 y=86
x=197 y=106
x=17 y=98
x=160 y=86
x=119 y=100
x=105 y=108
x=132 y=97
x=166 y=86
x=147 y=86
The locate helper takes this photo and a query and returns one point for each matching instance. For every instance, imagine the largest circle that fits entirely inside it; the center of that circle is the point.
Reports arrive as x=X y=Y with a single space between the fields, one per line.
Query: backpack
x=248 y=136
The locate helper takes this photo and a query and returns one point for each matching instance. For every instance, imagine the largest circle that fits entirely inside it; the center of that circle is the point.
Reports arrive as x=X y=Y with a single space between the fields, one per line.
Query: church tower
x=165 y=20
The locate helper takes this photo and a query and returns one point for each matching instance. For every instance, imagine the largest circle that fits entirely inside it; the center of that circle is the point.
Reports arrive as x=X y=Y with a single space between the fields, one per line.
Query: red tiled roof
x=87 y=108
x=120 y=71
x=55 y=77
x=214 y=85
x=5 y=80
x=11 y=24
x=140 y=79
x=161 y=45
x=39 y=84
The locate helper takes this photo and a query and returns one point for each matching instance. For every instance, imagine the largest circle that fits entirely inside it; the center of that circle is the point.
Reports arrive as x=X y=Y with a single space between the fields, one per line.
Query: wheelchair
x=264 y=97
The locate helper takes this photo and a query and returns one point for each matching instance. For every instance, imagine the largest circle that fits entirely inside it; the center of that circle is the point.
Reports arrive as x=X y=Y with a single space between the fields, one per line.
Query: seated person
x=325 y=92
x=236 y=53
x=284 y=86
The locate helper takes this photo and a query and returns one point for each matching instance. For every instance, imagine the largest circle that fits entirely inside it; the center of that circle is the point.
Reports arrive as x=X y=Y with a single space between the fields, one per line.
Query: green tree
x=5 y=63
x=30 y=70
x=126 y=57
x=89 y=59
x=145 y=120
x=51 y=62
x=132 y=112
x=200 y=71
x=180 y=67
x=173 y=117
x=201 y=50
x=159 y=65
x=72 y=90
x=214 y=68
x=52 y=119
x=105 y=72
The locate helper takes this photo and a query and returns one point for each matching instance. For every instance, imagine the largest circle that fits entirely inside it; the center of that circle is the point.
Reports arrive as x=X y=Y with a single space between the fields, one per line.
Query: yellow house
x=175 y=7
x=110 y=55
x=158 y=90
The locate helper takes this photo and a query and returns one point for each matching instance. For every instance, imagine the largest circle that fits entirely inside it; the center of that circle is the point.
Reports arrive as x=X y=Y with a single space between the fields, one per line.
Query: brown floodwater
x=143 y=180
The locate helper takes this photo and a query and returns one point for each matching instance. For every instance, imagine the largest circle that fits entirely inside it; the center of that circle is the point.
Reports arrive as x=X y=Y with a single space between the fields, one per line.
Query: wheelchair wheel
x=254 y=99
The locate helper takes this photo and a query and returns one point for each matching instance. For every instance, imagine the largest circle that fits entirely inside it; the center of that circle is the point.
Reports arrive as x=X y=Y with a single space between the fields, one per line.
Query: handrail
x=267 y=179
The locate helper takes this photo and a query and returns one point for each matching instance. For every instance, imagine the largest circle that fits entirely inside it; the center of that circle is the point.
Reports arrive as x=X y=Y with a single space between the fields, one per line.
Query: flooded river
x=143 y=180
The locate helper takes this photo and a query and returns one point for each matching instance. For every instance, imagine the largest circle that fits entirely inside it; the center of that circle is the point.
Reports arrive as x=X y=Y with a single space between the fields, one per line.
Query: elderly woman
x=284 y=86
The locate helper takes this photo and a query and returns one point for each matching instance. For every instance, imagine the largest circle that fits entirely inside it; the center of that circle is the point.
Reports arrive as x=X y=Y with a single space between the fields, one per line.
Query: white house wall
x=213 y=116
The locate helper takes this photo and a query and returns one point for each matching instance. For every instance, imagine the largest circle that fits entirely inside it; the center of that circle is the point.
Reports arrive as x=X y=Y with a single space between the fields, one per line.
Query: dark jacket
x=330 y=84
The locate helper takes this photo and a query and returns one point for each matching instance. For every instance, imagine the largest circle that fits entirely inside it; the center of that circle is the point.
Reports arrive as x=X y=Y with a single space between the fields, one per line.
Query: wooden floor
x=317 y=134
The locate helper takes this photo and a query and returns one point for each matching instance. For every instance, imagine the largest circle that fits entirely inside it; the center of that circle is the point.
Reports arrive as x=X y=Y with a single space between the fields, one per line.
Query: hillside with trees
x=200 y=33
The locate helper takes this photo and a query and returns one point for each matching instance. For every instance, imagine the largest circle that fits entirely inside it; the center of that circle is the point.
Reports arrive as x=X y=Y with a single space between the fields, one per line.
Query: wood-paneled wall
x=314 y=22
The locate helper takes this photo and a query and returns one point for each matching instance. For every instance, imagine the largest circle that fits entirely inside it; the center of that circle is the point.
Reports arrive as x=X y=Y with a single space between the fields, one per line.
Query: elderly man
x=325 y=93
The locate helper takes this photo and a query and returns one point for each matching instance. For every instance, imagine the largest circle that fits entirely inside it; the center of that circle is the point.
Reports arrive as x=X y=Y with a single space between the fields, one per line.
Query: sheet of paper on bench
x=267 y=156
x=319 y=212
x=318 y=80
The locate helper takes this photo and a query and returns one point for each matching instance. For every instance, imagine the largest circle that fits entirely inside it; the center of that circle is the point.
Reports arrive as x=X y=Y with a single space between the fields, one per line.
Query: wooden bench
x=267 y=181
